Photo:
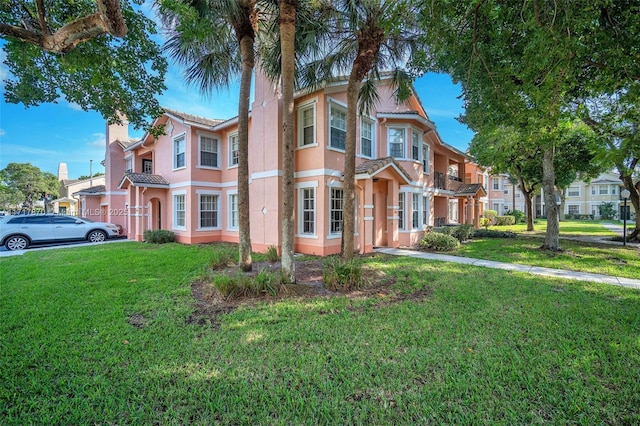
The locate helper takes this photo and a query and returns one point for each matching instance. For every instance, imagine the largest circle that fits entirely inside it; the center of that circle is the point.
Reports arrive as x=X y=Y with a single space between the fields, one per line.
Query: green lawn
x=576 y=255
x=484 y=347
x=567 y=228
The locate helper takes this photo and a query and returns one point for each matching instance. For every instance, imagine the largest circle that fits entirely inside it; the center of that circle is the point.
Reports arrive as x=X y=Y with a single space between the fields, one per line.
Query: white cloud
x=2 y=132
x=98 y=141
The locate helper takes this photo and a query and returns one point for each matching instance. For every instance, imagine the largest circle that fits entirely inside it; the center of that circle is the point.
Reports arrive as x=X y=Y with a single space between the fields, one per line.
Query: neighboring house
x=581 y=198
x=68 y=202
x=185 y=181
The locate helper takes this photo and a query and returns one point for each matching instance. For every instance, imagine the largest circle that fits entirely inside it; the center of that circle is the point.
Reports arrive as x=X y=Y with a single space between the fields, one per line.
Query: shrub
x=223 y=256
x=485 y=222
x=230 y=286
x=505 y=220
x=486 y=233
x=517 y=214
x=463 y=232
x=272 y=254
x=607 y=211
x=491 y=215
x=339 y=275
x=159 y=236
x=439 y=242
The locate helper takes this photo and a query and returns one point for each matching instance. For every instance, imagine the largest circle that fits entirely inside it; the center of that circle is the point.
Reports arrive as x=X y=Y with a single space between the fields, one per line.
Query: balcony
x=446 y=182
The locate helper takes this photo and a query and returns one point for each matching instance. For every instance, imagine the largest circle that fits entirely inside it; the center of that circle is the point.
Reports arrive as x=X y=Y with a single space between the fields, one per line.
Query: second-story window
x=179 y=152
x=128 y=168
x=573 y=191
x=147 y=166
x=366 y=138
x=396 y=142
x=496 y=183
x=307 y=125
x=337 y=127
x=425 y=158
x=415 y=146
x=208 y=151
x=233 y=150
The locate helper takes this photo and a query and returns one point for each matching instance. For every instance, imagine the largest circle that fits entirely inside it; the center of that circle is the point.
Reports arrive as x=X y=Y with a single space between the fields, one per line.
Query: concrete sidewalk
x=536 y=270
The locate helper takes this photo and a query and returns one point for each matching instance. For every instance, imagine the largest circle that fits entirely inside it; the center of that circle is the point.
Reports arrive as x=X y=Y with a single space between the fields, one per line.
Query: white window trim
x=417 y=196
x=404 y=148
x=373 y=137
x=229 y=212
x=418 y=132
x=300 y=130
x=218 y=150
x=230 y=158
x=174 y=153
x=199 y=193
x=574 y=187
x=174 y=211
x=339 y=105
x=428 y=159
x=402 y=212
x=299 y=189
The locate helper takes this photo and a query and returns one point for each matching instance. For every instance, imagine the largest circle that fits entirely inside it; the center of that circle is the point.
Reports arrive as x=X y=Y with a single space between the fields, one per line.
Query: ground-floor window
x=573 y=209
x=425 y=211
x=208 y=211
x=415 y=211
x=335 y=210
x=179 y=211
x=233 y=211
x=307 y=211
x=401 y=210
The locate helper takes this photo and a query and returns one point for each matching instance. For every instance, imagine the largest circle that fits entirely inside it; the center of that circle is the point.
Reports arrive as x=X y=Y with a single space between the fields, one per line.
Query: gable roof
x=471 y=189
x=143 y=180
x=192 y=119
x=369 y=169
x=93 y=190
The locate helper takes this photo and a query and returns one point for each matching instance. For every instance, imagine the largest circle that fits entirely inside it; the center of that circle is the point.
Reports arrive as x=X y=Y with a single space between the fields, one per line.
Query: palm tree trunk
x=552 y=236
x=287 y=45
x=244 y=231
x=348 y=207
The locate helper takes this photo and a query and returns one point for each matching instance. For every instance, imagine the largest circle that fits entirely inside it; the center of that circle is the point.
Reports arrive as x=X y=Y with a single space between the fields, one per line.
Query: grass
x=577 y=256
x=100 y=335
x=568 y=228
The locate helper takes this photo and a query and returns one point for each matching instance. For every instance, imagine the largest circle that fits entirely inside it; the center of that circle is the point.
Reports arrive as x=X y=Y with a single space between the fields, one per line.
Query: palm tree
x=299 y=24
x=368 y=37
x=215 y=40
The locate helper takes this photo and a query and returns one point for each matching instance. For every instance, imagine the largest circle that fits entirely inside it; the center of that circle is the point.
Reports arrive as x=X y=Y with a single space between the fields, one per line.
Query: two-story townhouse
x=407 y=178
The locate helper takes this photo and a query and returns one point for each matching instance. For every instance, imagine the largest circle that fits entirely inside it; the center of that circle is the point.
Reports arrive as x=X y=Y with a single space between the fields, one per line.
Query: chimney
x=63 y=172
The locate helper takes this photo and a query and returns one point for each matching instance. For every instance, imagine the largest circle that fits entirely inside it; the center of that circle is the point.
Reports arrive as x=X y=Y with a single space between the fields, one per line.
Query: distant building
x=67 y=202
x=581 y=198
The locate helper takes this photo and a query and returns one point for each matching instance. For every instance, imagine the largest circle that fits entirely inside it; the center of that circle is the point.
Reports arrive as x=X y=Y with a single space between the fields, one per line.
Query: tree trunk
x=287 y=45
x=634 y=199
x=563 y=199
x=244 y=231
x=552 y=236
x=528 y=202
x=348 y=207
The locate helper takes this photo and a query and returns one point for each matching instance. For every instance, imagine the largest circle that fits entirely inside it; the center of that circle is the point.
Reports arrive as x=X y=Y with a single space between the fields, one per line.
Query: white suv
x=19 y=232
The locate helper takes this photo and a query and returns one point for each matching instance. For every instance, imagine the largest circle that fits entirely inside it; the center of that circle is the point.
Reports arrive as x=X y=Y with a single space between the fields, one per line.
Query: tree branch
x=108 y=19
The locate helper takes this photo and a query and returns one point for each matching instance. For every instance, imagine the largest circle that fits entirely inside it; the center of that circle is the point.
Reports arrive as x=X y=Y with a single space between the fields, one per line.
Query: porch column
x=476 y=214
x=139 y=212
x=470 y=210
x=368 y=212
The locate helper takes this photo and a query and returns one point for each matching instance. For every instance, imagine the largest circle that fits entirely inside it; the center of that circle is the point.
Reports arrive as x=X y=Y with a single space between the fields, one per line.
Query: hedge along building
x=185 y=181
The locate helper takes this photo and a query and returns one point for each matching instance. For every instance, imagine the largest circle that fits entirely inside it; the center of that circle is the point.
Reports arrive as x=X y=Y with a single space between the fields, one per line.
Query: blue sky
x=52 y=133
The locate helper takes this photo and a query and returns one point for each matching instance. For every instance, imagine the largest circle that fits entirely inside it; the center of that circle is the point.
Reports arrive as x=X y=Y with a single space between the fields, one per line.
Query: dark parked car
x=19 y=232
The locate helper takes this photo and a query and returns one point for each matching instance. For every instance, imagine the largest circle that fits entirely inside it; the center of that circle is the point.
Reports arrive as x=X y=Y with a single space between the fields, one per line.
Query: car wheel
x=17 y=242
x=96 y=236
